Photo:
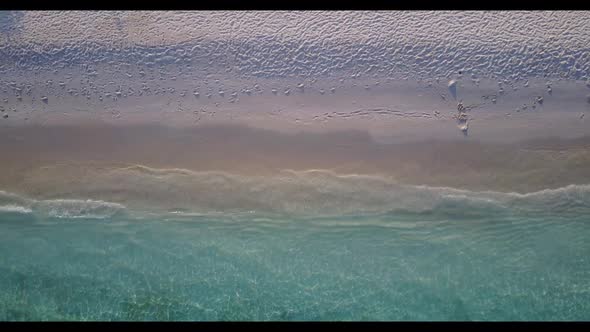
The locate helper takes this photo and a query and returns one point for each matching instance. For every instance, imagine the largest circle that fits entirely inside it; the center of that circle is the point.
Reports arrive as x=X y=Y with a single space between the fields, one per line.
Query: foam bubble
x=14 y=209
x=74 y=208
x=59 y=208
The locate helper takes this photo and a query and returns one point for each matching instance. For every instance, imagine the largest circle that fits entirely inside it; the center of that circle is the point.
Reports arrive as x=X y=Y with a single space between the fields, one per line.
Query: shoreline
x=522 y=167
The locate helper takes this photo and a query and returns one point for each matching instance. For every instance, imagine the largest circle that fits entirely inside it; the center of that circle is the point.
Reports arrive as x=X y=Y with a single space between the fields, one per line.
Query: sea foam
x=101 y=192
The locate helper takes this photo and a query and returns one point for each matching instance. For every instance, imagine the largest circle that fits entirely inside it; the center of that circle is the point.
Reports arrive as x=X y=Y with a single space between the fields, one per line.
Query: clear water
x=435 y=265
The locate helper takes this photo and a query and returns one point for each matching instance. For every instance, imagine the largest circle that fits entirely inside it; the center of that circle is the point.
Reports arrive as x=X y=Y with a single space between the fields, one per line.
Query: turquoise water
x=434 y=265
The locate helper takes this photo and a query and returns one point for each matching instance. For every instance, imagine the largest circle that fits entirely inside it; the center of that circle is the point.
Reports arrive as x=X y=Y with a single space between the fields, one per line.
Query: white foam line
x=332 y=173
x=15 y=208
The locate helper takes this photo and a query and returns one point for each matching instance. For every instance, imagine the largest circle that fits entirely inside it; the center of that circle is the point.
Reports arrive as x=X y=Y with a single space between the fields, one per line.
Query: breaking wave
x=101 y=192
x=59 y=208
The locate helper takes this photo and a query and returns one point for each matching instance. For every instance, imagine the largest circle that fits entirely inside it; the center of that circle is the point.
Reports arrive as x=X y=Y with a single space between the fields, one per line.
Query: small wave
x=59 y=208
x=14 y=209
x=73 y=208
x=316 y=192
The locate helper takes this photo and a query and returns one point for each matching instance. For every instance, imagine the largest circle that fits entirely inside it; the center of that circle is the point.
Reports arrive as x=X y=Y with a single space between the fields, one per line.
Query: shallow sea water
x=395 y=266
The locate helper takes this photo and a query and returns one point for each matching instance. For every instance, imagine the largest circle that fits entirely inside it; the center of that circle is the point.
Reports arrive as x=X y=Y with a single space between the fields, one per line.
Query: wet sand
x=525 y=166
